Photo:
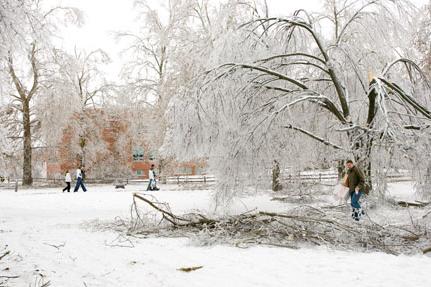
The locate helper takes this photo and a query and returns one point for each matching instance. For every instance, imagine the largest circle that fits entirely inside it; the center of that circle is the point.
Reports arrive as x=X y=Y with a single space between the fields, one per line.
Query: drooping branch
x=416 y=105
x=268 y=72
x=297 y=22
x=355 y=16
x=315 y=137
x=407 y=62
x=304 y=63
x=289 y=56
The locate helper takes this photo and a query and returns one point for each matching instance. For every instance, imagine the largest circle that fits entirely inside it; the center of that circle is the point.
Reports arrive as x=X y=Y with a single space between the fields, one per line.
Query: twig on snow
x=4 y=254
x=56 y=246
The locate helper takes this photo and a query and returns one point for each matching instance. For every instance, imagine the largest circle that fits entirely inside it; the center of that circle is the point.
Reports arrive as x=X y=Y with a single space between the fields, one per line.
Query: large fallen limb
x=294 y=228
x=412 y=203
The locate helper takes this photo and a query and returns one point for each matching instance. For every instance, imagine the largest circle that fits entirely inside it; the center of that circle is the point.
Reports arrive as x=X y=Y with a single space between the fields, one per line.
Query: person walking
x=152 y=179
x=68 y=180
x=79 y=181
x=356 y=184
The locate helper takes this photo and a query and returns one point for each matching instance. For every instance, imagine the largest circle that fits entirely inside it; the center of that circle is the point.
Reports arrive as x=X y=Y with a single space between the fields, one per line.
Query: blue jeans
x=354 y=199
x=79 y=183
x=151 y=184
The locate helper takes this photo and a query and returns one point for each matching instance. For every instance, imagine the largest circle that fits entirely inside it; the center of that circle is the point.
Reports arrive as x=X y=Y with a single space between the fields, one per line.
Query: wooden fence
x=318 y=177
x=332 y=177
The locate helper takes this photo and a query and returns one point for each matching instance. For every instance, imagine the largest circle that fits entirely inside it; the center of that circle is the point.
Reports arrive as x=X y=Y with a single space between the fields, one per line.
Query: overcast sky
x=103 y=17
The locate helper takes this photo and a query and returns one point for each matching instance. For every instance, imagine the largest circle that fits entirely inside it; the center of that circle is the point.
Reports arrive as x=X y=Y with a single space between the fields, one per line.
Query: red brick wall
x=62 y=159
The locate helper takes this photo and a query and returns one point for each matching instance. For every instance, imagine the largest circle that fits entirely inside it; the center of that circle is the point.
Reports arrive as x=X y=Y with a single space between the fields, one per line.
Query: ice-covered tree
x=149 y=73
x=23 y=98
x=165 y=52
x=26 y=31
x=422 y=167
x=423 y=38
x=73 y=101
x=307 y=88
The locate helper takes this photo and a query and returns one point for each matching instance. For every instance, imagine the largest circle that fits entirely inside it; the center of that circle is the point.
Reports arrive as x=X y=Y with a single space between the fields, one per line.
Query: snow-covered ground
x=49 y=233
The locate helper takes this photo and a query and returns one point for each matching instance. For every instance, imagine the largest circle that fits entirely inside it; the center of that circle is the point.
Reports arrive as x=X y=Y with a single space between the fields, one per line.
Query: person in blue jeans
x=356 y=183
x=79 y=180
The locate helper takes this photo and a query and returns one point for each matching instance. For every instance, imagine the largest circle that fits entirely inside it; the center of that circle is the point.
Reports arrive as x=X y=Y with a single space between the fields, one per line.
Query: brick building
x=108 y=149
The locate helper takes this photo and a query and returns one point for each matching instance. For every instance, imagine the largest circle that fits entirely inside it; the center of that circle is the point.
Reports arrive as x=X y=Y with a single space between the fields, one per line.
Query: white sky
x=104 y=17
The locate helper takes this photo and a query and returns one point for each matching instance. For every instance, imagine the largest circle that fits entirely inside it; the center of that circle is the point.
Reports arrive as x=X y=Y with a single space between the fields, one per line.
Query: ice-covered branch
x=313 y=136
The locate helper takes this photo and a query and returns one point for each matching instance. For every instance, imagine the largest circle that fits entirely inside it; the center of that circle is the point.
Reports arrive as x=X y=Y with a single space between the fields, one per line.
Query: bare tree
x=24 y=97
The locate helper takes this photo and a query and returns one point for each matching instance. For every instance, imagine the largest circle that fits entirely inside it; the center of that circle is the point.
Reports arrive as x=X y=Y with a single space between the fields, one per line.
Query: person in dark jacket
x=356 y=184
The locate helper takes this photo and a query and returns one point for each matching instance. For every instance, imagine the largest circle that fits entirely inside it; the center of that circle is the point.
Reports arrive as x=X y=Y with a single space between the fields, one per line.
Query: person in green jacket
x=356 y=184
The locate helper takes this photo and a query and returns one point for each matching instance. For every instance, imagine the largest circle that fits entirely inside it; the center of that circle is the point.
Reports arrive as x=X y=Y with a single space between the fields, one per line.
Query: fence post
x=178 y=179
x=205 y=179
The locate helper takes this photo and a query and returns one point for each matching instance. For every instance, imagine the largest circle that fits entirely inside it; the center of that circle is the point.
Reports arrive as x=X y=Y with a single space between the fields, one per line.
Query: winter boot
x=356 y=215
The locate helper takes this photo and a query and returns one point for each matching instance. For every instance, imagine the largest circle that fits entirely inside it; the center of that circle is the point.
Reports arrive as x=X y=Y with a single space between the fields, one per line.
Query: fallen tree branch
x=302 y=225
x=415 y=203
x=189 y=269
x=426 y=250
x=168 y=215
x=123 y=242
x=56 y=246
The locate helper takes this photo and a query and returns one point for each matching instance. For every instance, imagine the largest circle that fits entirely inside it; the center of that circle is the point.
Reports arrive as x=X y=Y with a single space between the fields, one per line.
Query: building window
x=152 y=155
x=185 y=170
x=200 y=170
x=139 y=172
x=138 y=154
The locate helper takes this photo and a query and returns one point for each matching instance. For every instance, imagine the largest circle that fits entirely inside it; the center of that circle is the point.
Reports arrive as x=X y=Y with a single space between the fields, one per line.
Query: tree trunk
x=25 y=96
x=341 y=168
x=367 y=143
x=362 y=155
x=27 y=163
x=367 y=161
x=276 y=185
x=82 y=144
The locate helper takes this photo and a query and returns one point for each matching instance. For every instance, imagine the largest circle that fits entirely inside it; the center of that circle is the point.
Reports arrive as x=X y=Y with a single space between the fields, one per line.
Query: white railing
x=179 y=179
x=311 y=176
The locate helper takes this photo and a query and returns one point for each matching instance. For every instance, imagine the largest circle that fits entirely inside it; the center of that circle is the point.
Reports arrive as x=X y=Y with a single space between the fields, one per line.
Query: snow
x=36 y=223
x=403 y=191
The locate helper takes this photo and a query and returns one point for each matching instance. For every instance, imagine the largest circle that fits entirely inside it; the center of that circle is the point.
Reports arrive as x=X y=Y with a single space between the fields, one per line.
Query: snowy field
x=50 y=235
